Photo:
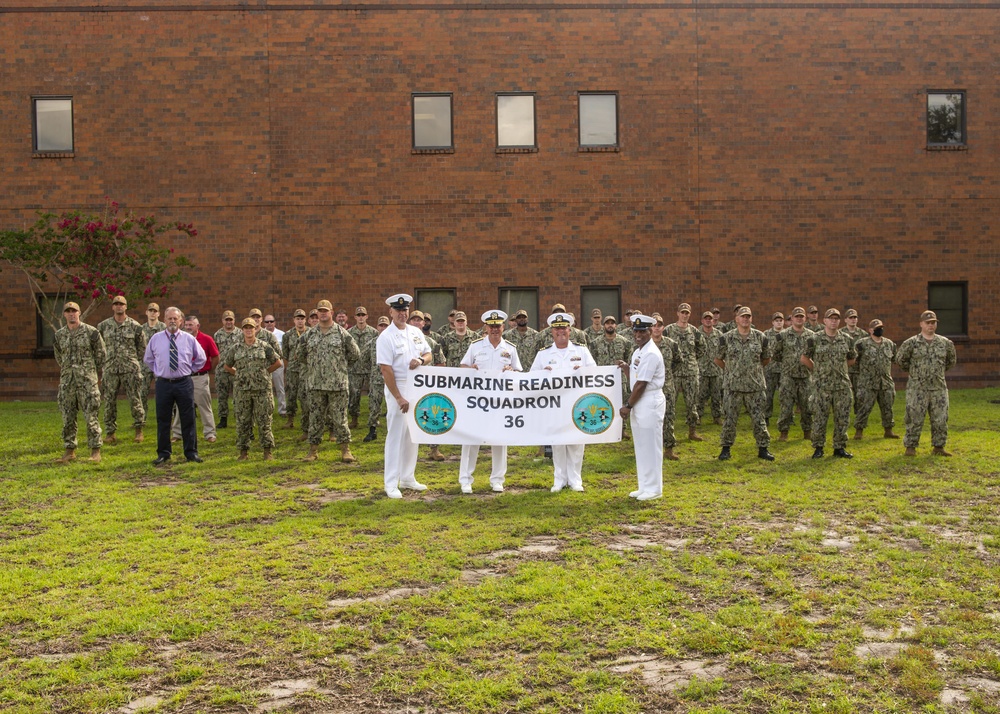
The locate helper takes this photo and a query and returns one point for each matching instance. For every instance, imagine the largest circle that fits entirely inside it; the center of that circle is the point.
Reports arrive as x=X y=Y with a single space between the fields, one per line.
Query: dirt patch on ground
x=666 y=675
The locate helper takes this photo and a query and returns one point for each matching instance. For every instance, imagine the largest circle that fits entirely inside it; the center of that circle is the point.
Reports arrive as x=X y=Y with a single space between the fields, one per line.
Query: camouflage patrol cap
x=928 y=316
x=71 y=306
x=874 y=323
x=383 y=320
x=777 y=316
x=255 y=312
x=314 y=311
x=416 y=313
x=119 y=300
x=799 y=311
x=716 y=311
x=324 y=305
x=558 y=307
x=707 y=313
x=813 y=308
x=683 y=307
x=152 y=306
x=521 y=313
x=656 y=316
x=744 y=310
x=459 y=315
x=248 y=322
x=609 y=318
x=228 y=315
x=360 y=310
x=832 y=312
x=299 y=313
x=427 y=316
x=737 y=307
x=596 y=312
x=851 y=313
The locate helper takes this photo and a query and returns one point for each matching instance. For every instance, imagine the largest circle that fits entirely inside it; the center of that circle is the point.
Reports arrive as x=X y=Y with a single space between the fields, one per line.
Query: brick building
x=612 y=154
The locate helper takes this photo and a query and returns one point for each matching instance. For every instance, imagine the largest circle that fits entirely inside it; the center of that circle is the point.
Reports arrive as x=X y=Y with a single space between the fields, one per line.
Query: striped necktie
x=174 y=361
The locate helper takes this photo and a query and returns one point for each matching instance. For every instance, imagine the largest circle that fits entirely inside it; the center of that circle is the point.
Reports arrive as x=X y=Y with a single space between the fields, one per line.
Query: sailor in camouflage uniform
x=596 y=328
x=875 y=355
x=295 y=394
x=522 y=336
x=671 y=358
x=813 y=324
x=828 y=355
x=795 y=381
x=250 y=362
x=611 y=349
x=419 y=320
x=856 y=333
x=772 y=373
x=456 y=344
x=150 y=327
x=225 y=337
x=80 y=354
x=126 y=345
x=328 y=352
x=365 y=335
x=709 y=374
x=376 y=382
x=265 y=335
x=691 y=345
x=926 y=357
x=743 y=354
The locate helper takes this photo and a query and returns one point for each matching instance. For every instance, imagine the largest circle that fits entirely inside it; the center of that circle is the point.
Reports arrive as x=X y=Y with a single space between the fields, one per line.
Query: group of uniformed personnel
x=821 y=368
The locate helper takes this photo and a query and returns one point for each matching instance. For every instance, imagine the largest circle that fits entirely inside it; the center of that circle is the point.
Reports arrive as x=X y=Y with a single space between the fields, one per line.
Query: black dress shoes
x=195 y=458
x=160 y=460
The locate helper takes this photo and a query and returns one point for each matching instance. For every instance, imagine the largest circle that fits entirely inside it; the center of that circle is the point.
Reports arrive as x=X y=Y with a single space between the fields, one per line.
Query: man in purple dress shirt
x=173 y=356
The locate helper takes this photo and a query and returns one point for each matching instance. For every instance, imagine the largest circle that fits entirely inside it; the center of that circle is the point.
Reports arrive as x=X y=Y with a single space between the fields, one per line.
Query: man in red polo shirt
x=202 y=383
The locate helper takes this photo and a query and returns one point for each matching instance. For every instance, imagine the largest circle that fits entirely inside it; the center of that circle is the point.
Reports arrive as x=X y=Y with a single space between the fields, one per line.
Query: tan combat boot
x=910 y=451
x=939 y=451
x=70 y=455
x=859 y=434
x=693 y=435
x=303 y=436
x=783 y=436
x=345 y=454
x=435 y=454
x=139 y=436
x=890 y=434
x=669 y=455
x=332 y=437
x=354 y=421
x=290 y=424
x=110 y=440
x=95 y=456
x=313 y=452
x=243 y=455
x=268 y=456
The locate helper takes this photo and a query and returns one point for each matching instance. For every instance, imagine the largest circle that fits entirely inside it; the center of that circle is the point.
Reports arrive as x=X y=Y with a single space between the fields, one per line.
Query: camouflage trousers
x=773 y=381
x=224 y=386
x=303 y=397
x=837 y=401
x=794 y=391
x=669 y=440
x=294 y=394
x=376 y=397
x=753 y=403
x=73 y=399
x=854 y=388
x=919 y=403
x=148 y=380
x=710 y=388
x=356 y=382
x=131 y=384
x=865 y=400
x=254 y=407
x=688 y=386
x=328 y=407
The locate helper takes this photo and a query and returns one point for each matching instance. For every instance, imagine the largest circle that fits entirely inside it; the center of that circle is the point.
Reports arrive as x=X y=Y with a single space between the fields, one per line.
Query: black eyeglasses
x=268 y=320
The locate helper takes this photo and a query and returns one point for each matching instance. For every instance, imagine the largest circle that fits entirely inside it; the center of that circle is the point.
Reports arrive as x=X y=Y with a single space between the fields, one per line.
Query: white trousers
x=400 y=451
x=646 y=420
x=278 y=382
x=567 y=461
x=470 y=454
x=203 y=402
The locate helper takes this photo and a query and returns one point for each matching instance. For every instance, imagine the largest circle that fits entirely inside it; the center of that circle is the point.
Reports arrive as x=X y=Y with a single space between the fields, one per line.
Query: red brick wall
x=769 y=155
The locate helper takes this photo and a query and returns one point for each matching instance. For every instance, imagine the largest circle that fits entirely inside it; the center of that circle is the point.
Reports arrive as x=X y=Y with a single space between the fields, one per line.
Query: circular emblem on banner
x=593 y=413
x=435 y=414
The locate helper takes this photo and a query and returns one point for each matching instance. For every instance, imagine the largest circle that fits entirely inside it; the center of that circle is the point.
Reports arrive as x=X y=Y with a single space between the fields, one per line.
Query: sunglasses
x=268 y=321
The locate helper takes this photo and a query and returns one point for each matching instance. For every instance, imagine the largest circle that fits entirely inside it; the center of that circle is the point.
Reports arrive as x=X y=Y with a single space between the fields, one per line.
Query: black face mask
x=878 y=331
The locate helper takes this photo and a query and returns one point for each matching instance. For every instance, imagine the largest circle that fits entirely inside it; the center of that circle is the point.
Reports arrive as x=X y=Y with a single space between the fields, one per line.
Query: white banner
x=467 y=406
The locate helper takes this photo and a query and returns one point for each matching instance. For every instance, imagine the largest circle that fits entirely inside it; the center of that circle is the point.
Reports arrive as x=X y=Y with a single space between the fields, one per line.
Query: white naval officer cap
x=494 y=317
x=399 y=301
x=638 y=321
x=560 y=319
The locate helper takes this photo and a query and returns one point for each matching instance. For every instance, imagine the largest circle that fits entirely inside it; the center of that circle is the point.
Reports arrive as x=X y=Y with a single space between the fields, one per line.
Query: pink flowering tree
x=92 y=258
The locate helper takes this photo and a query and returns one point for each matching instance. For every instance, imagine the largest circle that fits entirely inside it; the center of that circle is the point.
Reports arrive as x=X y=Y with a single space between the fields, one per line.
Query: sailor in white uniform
x=645 y=408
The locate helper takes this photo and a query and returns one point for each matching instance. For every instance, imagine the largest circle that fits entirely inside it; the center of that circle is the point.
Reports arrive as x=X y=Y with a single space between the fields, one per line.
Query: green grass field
x=870 y=585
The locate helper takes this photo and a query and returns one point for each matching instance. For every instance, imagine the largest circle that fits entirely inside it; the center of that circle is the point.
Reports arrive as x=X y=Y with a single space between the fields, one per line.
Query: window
x=514 y=299
x=516 y=121
x=438 y=302
x=432 y=122
x=950 y=301
x=45 y=335
x=53 y=124
x=608 y=299
x=946 y=118
x=598 y=120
